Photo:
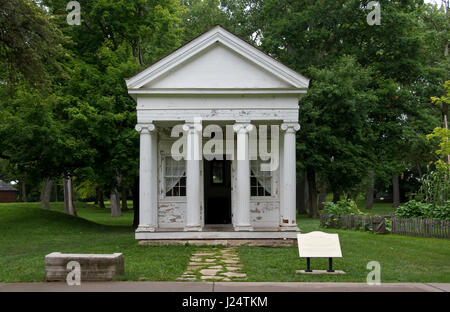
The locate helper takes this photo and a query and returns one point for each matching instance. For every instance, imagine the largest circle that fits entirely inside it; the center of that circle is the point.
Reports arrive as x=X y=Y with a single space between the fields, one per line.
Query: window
x=174 y=177
x=260 y=181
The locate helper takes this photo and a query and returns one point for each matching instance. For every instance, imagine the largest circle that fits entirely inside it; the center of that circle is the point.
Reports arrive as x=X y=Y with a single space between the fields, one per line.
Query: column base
x=146 y=228
x=193 y=228
x=289 y=228
x=243 y=228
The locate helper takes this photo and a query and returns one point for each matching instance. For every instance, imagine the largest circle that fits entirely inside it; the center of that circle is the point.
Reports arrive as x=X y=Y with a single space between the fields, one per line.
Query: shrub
x=388 y=223
x=412 y=209
x=441 y=212
x=342 y=207
x=435 y=187
x=416 y=209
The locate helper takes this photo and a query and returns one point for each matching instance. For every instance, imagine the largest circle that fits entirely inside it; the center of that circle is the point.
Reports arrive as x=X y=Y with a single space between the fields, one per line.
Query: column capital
x=290 y=127
x=192 y=127
x=145 y=128
x=242 y=127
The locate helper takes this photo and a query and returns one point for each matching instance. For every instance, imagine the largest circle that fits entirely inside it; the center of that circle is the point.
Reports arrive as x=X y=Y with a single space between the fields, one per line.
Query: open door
x=217 y=190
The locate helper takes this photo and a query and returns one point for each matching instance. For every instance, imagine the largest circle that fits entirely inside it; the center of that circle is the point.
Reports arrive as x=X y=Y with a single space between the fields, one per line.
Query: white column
x=288 y=211
x=193 y=157
x=281 y=176
x=148 y=203
x=242 y=210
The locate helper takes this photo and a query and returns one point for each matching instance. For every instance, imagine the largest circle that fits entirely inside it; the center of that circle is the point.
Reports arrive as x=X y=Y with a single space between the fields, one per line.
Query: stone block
x=94 y=267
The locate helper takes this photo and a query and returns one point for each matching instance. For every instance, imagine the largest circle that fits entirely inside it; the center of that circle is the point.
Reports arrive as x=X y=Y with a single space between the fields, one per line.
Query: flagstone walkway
x=210 y=263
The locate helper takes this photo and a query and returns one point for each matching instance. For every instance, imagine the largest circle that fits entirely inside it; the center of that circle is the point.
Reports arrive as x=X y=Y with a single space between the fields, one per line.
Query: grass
x=378 y=208
x=28 y=233
x=402 y=258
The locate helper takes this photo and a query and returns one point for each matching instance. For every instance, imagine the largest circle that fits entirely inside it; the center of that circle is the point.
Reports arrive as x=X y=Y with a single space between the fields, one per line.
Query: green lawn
x=402 y=258
x=28 y=233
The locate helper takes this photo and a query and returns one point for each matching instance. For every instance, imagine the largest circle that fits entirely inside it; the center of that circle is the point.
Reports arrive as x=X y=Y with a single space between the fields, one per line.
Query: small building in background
x=8 y=194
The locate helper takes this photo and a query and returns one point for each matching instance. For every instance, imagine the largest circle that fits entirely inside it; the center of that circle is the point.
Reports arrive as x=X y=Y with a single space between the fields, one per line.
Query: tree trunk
x=55 y=192
x=336 y=196
x=370 y=192
x=100 y=198
x=23 y=191
x=444 y=103
x=69 y=205
x=124 y=198
x=395 y=192
x=306 y=192
x=135 y=192
x=419 y=170
x=115 y=203
x=96 y=196
x=299 y=197
x=46 y=192
x=312 y=194
x=322 y=194
x=302 y=194
x=446 y=127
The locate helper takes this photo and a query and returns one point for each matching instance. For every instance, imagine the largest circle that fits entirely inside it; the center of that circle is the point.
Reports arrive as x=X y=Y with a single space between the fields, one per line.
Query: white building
x=232 y=86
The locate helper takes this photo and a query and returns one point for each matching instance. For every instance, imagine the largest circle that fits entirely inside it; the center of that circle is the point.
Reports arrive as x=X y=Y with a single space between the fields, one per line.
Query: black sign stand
x=330 y=265
x=308 y=265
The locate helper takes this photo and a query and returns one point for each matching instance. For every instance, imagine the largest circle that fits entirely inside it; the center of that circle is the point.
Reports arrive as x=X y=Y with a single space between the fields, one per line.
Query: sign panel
x=319 y=245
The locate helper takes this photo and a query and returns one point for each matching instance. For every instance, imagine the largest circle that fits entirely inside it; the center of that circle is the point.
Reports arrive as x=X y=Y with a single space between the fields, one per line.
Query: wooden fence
x=421 y=227
x=375 y=224
x=403 y=226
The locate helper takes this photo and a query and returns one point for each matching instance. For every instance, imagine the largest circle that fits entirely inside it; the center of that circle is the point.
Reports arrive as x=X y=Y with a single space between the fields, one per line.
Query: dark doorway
x=217 y=189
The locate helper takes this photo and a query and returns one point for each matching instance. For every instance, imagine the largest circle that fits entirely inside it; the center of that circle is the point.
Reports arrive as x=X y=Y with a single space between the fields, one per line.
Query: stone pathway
x=210 y=263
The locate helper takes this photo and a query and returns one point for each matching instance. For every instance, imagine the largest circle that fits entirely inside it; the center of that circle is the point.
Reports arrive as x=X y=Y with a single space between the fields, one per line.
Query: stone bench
x=94 y=267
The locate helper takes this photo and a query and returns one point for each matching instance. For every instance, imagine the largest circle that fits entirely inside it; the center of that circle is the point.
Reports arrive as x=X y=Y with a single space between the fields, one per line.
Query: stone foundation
x=289 y=242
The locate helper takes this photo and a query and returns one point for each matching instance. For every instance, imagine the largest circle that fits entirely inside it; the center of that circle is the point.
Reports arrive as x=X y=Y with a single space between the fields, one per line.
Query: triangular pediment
x=217 y=60
x=218 y=67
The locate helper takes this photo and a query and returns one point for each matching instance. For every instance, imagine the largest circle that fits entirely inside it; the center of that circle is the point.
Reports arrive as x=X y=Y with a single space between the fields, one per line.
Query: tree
x=316 y=34
x=29 y=41
x=36 y=140
x=199 y=16
x=442 y=133
x=436 y=184
x=334 y=135
x=114 y=41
